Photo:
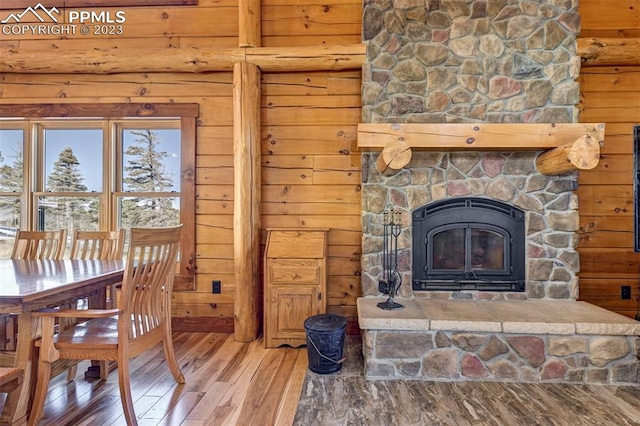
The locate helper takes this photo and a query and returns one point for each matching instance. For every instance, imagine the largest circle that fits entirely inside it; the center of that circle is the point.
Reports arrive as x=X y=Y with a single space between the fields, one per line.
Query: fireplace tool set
x=391 y=278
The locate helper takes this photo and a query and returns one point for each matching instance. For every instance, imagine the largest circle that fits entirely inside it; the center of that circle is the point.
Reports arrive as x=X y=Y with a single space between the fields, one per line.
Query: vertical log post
x=249 y=23
x=246 y=204
x=246 y=178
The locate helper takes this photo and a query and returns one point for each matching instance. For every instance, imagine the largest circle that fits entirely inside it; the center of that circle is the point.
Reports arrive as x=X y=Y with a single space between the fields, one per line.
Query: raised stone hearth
x=514 y=341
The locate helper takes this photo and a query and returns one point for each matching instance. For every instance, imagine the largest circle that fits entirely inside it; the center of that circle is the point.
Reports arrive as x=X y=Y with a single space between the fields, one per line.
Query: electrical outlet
x=625 y=292
x=216 y=287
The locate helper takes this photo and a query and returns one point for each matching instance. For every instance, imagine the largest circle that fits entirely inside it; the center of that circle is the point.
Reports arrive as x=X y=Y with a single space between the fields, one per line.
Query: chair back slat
x=35 y=245
x=101 y=245
x=148 y=280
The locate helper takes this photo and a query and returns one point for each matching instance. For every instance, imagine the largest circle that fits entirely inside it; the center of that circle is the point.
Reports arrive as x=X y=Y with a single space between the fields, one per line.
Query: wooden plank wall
x=610 y=95
x=311 y=167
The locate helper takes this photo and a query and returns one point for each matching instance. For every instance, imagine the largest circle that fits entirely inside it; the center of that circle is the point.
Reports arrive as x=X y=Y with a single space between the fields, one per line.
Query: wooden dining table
x=29 y=285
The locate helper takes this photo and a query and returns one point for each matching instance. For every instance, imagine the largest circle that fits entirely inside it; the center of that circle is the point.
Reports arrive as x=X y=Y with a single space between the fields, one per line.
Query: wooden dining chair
x=10 y=379
x=96 y=245
x=99 y=245
x=33 y=245
x=142 y=320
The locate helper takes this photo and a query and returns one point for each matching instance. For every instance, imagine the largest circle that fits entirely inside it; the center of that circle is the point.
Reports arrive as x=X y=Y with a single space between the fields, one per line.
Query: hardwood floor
x=231 y=383
x=227 y=383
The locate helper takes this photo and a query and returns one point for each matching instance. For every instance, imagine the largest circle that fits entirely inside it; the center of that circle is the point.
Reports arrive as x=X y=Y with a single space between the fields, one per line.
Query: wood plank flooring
x=231 y=383
x=227 y=383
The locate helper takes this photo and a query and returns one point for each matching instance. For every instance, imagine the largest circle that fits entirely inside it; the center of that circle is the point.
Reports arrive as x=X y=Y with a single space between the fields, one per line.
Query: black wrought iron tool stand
x=391 y=278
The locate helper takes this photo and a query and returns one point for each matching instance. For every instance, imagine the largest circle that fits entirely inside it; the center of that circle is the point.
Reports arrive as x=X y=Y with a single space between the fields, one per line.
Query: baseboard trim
x=202 y=324
x=225 y=325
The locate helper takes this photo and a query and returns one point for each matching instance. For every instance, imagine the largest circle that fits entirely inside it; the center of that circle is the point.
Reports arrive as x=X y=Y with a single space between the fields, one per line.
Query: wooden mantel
x=568 y=146
x=477 y=136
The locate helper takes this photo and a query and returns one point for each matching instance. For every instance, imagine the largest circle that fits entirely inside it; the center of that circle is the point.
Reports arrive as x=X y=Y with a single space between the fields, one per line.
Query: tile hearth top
x=502 y=316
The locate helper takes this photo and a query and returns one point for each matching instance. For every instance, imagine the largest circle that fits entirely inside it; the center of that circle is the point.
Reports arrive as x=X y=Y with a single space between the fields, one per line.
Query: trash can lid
x=325 y=322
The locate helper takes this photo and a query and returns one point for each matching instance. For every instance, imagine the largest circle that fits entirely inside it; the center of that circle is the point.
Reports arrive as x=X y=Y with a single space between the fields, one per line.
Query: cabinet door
x=289 y=307
x=294 y=272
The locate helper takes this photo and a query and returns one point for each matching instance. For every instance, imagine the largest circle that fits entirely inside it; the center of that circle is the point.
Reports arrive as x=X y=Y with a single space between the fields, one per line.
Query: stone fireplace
x=453 y=61
x=480 y=61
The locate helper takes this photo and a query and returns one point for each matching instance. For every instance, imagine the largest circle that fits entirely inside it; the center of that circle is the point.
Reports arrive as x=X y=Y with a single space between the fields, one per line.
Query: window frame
x=187 y=116
x=36 y=170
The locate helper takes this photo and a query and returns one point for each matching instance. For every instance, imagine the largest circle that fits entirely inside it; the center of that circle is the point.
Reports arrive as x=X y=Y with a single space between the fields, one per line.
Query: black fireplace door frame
x=467 y=214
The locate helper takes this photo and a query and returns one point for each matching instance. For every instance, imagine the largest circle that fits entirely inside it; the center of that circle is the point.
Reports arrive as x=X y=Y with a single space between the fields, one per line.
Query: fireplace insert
x=468 y=243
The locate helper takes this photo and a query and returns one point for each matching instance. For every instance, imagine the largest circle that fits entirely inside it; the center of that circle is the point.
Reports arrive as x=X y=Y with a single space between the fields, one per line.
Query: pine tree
x=70 y=212
x=146 y=172
x=11 y=180
x=11 y=175
x=66 y=176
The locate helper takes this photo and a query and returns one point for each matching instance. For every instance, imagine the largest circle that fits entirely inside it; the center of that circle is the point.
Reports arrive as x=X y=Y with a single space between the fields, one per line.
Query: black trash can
x=325 y=342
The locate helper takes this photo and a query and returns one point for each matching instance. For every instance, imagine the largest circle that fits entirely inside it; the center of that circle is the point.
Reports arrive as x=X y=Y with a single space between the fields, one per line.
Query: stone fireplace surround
x=549 y=203
x=500 y=61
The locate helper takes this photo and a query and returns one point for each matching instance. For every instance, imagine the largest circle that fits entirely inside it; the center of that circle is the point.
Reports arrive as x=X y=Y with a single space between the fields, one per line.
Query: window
x=11 y=185
x=68 y=166
x=132 y=167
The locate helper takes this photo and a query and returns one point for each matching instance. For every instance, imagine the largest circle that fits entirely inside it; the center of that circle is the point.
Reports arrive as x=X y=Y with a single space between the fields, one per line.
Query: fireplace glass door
x=468 y=243
x=470 y=249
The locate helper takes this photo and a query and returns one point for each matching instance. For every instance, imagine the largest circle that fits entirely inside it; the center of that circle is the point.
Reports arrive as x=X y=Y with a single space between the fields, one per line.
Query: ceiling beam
x=188 y=60
x=593 y=51
x=609 y=51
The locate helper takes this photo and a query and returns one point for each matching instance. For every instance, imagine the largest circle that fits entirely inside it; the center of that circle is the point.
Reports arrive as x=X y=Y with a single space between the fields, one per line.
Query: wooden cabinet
x=295 y=281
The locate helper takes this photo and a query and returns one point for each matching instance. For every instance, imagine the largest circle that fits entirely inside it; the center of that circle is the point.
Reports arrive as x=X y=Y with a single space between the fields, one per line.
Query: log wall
x=612 y=95
x=311 y=167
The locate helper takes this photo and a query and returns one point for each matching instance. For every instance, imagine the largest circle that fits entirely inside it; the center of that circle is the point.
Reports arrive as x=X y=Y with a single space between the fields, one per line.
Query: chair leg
x=113 y=297
x=71 y=373
x=40 y=396
x=125 y=391
x=170 y=355
x=104 y=369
